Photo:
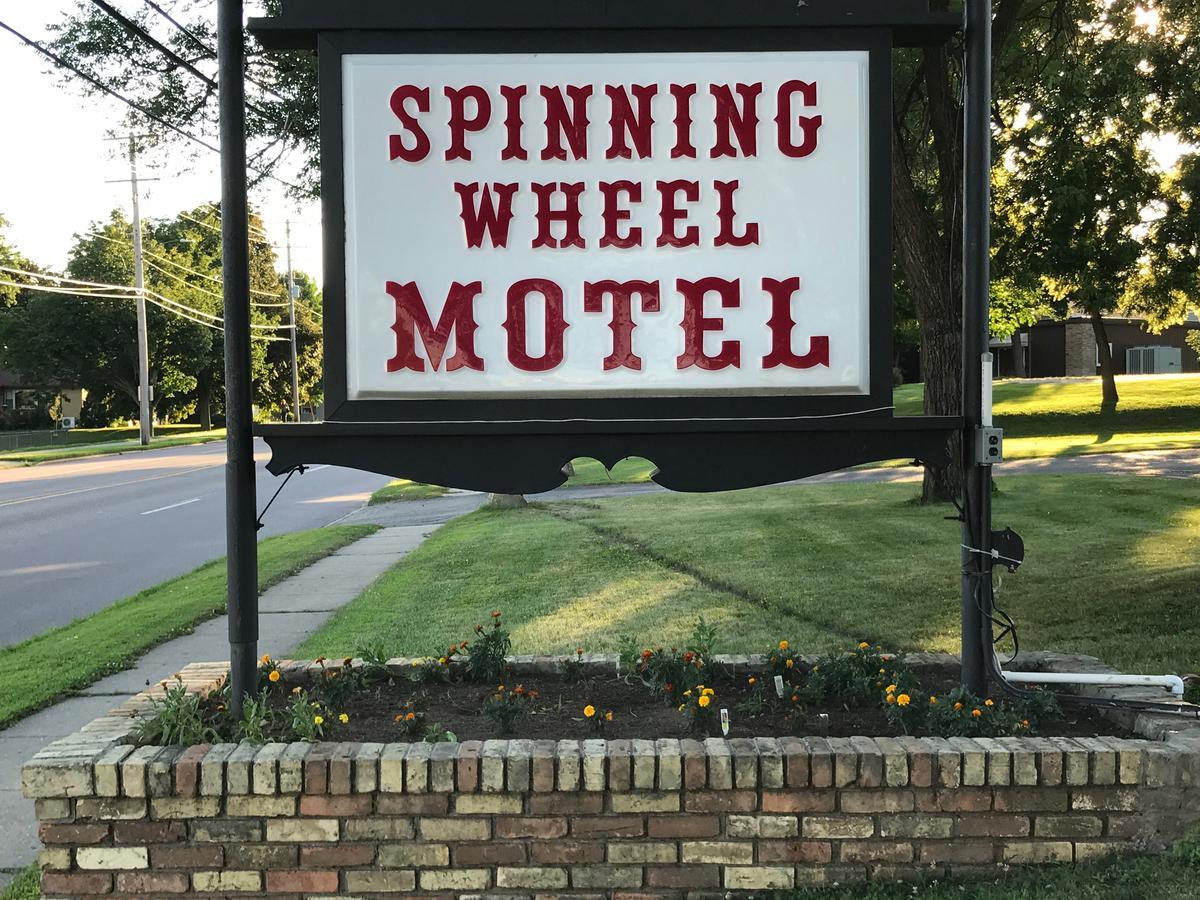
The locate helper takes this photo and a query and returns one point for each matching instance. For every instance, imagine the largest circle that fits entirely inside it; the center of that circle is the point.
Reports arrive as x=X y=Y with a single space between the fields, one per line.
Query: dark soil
x=557 y=712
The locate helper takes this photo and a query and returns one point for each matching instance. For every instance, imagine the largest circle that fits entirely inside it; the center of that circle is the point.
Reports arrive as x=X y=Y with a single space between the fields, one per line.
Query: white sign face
x=624 y=224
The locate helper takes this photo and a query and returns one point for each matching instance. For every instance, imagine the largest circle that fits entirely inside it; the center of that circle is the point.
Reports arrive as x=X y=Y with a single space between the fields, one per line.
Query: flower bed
x=591 y=816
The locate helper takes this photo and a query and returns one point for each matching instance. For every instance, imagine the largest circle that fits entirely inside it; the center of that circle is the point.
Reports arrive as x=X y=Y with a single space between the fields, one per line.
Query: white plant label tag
x=725 y=722
x=779 y=686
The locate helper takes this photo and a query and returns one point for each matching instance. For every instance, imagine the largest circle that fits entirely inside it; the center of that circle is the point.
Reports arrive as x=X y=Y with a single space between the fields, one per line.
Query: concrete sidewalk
x=290 y=612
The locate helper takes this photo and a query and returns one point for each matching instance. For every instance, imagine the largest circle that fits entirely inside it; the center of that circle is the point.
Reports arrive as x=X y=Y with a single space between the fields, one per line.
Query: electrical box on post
x=989 y=446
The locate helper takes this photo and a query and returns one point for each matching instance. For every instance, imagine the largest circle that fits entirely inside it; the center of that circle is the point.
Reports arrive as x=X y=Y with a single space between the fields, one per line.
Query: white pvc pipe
x=1172 y=683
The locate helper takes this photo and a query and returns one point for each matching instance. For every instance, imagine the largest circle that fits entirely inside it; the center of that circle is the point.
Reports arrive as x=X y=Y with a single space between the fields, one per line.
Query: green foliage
x=857 y=676
x=374 y=658
x=304 y=717
x=960 y=713
x=700 y=708
x=258 y=720
x=410 y=720
x=1193 y=340
x=509 y=708
x=671 y=672
x=485 y=654
x=175 y=718
x=571 y=669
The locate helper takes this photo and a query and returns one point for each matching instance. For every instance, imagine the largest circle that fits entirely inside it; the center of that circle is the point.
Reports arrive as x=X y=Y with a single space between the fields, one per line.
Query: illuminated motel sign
x=614 y=230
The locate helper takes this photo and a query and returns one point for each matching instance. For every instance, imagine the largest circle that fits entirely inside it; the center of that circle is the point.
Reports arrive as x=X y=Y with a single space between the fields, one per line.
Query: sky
x=55 y=159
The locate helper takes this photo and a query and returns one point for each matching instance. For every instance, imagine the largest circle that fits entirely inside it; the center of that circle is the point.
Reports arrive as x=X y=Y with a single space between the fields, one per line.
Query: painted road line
x=101 y=487
x=151 y=512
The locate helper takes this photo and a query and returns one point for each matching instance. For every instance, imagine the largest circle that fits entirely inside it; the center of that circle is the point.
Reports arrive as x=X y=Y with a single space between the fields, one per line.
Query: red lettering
x=726 y=214
x=614 y=214
x=622 y=323
x=569 y=215
x=516 y=325
x=512 y=122
x=782 y=324
x=457 y=318
x=732 y=120
x=396 y=147
x=486 y=215
x=624 y=123
x=560 y=124
x=695 y=324
x=808 y=124
x=683 y=94
x=460 y=124
x=670 y=214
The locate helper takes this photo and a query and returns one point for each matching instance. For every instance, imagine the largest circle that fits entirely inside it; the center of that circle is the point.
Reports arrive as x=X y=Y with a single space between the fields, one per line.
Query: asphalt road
x=77 y=536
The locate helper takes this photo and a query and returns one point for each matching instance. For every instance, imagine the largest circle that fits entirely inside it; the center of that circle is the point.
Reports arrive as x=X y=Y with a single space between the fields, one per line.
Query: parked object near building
x=25 y=405
x=1052 y=349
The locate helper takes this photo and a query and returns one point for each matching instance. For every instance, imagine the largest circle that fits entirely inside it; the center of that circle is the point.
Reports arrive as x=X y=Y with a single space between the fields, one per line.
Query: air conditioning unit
x=67 y=422
x=1153 y=360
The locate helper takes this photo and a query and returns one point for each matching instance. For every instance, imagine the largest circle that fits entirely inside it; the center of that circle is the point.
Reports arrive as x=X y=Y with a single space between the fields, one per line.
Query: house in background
x=1059 y=348
x=18 y=399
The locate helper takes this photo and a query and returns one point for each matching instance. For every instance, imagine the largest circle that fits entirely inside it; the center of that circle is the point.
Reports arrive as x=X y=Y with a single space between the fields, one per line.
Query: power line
x=100 y=86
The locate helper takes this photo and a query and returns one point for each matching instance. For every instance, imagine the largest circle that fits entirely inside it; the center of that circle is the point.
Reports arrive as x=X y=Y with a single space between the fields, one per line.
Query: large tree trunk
x=204 y=404
x=1107 y=376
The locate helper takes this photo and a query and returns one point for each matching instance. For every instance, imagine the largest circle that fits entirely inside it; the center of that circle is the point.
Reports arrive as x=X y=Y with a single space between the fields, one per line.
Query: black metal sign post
x=977 y=476
x=240 y=532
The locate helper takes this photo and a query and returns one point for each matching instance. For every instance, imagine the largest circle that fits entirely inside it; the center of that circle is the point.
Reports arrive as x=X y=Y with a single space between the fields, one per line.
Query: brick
x=212 y=770
x=1031 y=800
x=895 y=762
x=490 y=854
x=263 y=856
x=745 y=763
x=720 y=764
x=365 y=768
x=962 y=800
x=720 y=801
x=187 y=770
x=885 y=800
x=341 y=766
x=185 y=807
x=1102 y=760
x=594 y=765
x=838 y=827
x=683 y=826
x=112 y=858
x=1068 y=826
x=291 y=768
x=875 y=852
x=334 y=806
x=237 y=768
x=922 y=761
x=642 y=852
x=149 y=832
x=762 y=826
x=66 y=884
x=57 y=779
x=915 y=825
x=1090 y=851
x=759 y=878
x=185 y=857
x=620 y=766
x=606 y=876
x=152 y=882
x=491 y=766
x=541 y=766
x=107 y=770
x=302 y=882
x=455 y=829
x=466 y=776
x=608 y=826
x=845 y=762
x=1075 y=761
x=732 y=853
x=525 y=827
x=226 y=830
x=379 y=829
x=566 y=852
x=578 y=804
x=336 y=856
x=404 y=856
x=252 y=806
x=569 y=762
x=368 y=881
x=454 y=879
x=489 y=804
x=795 y=762
x=648 y=802
x=72 y=834
x=53 y=808
x=669 y=754
x=992 y=825
x=413 y=805
x=999 y=762
x=110 y=808
x=812 y=852
x=683 y=877
x=959 y=852
x=264 y=770
x=974 y=761
x=1027 y=853
x=531 y=877
x=770 y=763
x=227 y=881
x=695 y=765
x=820 y=762
x=1107 y=799
x=306 y=831
x=1024 y=760
x=391 y=768
x=799 y=801
x=54 y=858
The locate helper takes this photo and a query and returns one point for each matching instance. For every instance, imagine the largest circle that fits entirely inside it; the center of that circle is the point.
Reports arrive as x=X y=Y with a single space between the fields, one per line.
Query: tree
x=277 y=389
x=10 y=258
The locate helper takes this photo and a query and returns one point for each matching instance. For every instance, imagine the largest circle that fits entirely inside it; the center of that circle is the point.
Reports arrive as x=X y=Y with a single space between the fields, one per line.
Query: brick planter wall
x=590 y=817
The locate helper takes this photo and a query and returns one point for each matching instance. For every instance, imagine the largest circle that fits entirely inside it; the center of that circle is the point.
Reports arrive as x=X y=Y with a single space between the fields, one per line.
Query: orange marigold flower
x=274 y=676
x=976 y=712
x=957 y=706
x=891 y=698
x=589 y=711
x=495 y=613
x=1024 y=723
x=863 y=645
x=410 y=717
x=903 y=700
x=704 y=700
x=266 y=658
x=783 y=645
x=988 y=702
x=646 y=654
x=790 y=663
x=608 y=716
x=752 y=680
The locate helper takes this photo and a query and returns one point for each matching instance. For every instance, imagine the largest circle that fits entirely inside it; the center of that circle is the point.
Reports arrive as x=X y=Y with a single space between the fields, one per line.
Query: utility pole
x=291 y=289
x=146 y=425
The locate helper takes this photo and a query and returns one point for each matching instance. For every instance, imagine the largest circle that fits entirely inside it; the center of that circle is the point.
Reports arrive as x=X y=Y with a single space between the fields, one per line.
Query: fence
x=25 y=440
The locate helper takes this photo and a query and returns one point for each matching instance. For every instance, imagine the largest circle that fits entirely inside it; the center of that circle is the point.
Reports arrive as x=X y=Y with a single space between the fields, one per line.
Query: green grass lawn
x=1113 y=564
x=113 y=440
x=24 y=887
x=402 y=489
x=42 y=669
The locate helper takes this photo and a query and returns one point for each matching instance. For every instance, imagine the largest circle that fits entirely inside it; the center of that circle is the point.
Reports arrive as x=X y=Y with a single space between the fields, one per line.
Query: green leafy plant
x=597 y=718
x=176 y=718
x=757 y=701
x=337 y=683
x=572 y=669
x=374 y=656
x=509 y=708
x=410 y=720
x=436 y=734
x=257 y=722
x=699 y=706
x=857 y=677
x=269 y=674
x=485 y=655
x=430 y=670
x=960 y=713
x=304 y=718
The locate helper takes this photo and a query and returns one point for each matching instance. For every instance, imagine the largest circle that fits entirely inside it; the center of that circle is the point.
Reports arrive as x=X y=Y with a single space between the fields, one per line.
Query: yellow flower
x=687 y=693
x=318 y=720
x=589 y=710
x=933 y=701
x=608 y=716
x=681 y=707
x=266 y=659
x=783 y=645
x=903 y=700
x=863 y=646
x=883 y=671
x=274 y=676
x=752 y=680
x=957 y=706
x=977 y=712
x=441 y=660
x=891 y=698
x=343 y=718
x=988 y=703
x=707 y=692
x=891 y=689
x=704 y=700
x=296 y=689
x=415 y=663
x=789 y=663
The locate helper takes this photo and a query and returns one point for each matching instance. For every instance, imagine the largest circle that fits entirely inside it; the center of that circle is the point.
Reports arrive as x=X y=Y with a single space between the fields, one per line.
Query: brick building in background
x=1052 y=349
